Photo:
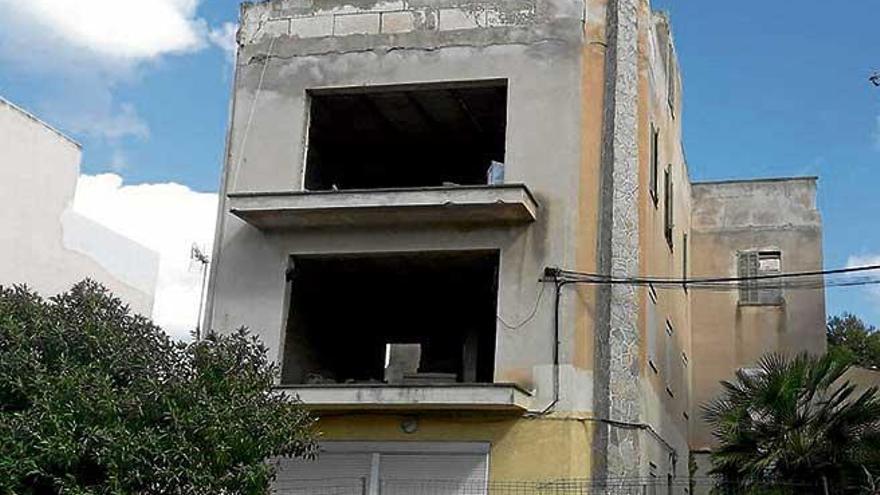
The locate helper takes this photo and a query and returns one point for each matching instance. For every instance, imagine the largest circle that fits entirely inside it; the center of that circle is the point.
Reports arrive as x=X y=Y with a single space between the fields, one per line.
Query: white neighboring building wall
x=43 y=242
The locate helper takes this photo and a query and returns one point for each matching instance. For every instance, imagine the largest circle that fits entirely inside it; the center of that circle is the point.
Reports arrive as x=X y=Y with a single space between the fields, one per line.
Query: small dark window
x=651 y=330
x=671 y=80
x=672 y=353
x=668 y=204
x=684 y=261
x=753 y=264
x=655 y=164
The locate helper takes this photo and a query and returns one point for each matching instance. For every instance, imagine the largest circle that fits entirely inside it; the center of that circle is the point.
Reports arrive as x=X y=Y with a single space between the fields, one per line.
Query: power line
x=805 y=280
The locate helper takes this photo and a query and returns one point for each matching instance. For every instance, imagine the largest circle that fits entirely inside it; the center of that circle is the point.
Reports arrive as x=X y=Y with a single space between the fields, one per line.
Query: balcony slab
x=508 y=204
x=461 y=397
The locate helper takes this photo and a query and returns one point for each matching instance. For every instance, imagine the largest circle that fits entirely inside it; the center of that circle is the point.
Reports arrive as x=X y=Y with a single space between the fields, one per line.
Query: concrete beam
x=459 y=205
x=460 y=397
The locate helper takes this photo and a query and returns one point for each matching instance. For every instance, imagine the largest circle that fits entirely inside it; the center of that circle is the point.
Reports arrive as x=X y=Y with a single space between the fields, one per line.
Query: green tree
x=96 y=400
x=795 y=422
x=849 y=338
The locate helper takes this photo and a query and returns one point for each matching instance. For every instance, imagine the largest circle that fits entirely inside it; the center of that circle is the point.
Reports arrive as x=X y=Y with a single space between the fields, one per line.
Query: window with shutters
x=671 y=80
x=654 y=165
x=670 y=372
x=669 y=207
x=684 y=261
x=752 y=265
x=651 y=328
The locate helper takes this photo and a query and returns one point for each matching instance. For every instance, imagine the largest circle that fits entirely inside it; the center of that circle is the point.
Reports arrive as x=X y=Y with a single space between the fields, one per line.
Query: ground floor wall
x=521 y=448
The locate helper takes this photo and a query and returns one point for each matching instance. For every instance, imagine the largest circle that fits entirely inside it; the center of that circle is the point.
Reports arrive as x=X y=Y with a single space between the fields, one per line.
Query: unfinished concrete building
x=404 y=181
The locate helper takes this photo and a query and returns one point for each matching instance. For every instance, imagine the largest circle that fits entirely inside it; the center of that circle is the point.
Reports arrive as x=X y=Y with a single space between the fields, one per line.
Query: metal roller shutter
x=388 y=468
x=330 y=474
x=446 y=474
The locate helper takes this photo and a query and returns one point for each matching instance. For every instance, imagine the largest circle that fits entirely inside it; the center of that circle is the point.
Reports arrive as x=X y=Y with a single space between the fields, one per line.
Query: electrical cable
x=813 y=280
x=250 y=120
x=531 y=315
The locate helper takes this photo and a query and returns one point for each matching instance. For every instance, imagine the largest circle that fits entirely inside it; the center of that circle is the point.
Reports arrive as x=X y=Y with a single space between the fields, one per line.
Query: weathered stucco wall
x=663 y=365
x=537 y=449
x=728 y=217
x=535 y=45
x=43 y=243
x=587 y=81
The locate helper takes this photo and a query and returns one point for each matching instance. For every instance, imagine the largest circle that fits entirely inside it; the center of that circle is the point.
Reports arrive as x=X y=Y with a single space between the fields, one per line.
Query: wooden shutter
x=669 y=206
x=770 y=263
x=671 y=79
x=685 y=248
x=747 y=266
x=655 y=164
x=670 y=371
x=651 y=328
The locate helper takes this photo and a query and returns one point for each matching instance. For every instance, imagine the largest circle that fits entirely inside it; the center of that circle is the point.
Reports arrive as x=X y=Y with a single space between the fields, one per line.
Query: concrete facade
x=732 y=217
x=602 y=378
x=43 y=242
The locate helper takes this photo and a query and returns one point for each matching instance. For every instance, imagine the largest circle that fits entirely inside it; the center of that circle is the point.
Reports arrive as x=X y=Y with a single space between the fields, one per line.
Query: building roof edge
x=810 y=178
x=4 y=101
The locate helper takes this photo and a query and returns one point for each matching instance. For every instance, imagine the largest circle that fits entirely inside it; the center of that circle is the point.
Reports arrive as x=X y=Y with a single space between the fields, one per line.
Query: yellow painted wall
x=665 y=400
x=592 y=115
x=522 y=449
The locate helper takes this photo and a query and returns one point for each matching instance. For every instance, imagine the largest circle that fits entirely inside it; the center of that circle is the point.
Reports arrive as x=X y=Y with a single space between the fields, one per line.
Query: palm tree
x=795 y=422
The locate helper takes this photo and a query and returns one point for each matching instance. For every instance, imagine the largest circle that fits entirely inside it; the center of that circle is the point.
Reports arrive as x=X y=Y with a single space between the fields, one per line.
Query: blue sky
x=774 y=89
x=770 y=90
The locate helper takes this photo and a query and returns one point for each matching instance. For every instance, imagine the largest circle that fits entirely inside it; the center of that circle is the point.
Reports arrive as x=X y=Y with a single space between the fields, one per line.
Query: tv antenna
x=197 y=255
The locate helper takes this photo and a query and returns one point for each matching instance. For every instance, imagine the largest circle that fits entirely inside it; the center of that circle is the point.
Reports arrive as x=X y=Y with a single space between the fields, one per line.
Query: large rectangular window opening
x=403 y=319
x=430 y=135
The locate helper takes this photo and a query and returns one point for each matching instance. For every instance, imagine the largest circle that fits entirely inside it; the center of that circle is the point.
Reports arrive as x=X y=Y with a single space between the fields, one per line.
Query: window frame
x=751 y=293
x=671 y=351
x=651 y=329
x=654 y=171
x=671 y=83
x=685 y=253
x=669 y=205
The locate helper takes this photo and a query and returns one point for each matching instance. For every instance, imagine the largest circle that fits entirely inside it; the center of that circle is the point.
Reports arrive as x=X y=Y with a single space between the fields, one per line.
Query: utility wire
x=793 y=280
x=250 y=120
x=770 y=276
x=528 y=318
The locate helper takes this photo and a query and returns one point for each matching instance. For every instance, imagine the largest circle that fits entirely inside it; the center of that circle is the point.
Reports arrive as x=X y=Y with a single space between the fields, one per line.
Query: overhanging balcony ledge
x=501 y=397
x=507 y=204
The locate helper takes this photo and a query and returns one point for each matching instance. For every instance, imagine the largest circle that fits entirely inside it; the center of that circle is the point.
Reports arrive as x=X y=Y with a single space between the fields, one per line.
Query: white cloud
x=82 y=50
x=116 y=28
x=102 y=118
x=224 y=37
x=866 y=260
x=863 y=260
x=167 y=218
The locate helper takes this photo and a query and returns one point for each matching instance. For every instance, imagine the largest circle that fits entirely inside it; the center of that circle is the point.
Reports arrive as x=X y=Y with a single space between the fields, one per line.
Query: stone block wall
x=321 y=19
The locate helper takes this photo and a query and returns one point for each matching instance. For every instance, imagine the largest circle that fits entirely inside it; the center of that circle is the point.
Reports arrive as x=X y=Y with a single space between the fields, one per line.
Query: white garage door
x=389 y=468
x=330 y=474
x=404 y=474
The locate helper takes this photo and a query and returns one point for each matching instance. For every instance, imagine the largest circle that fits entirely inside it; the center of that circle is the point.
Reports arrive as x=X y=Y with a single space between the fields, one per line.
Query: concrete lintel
x=459 y=397
x=459 y=205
